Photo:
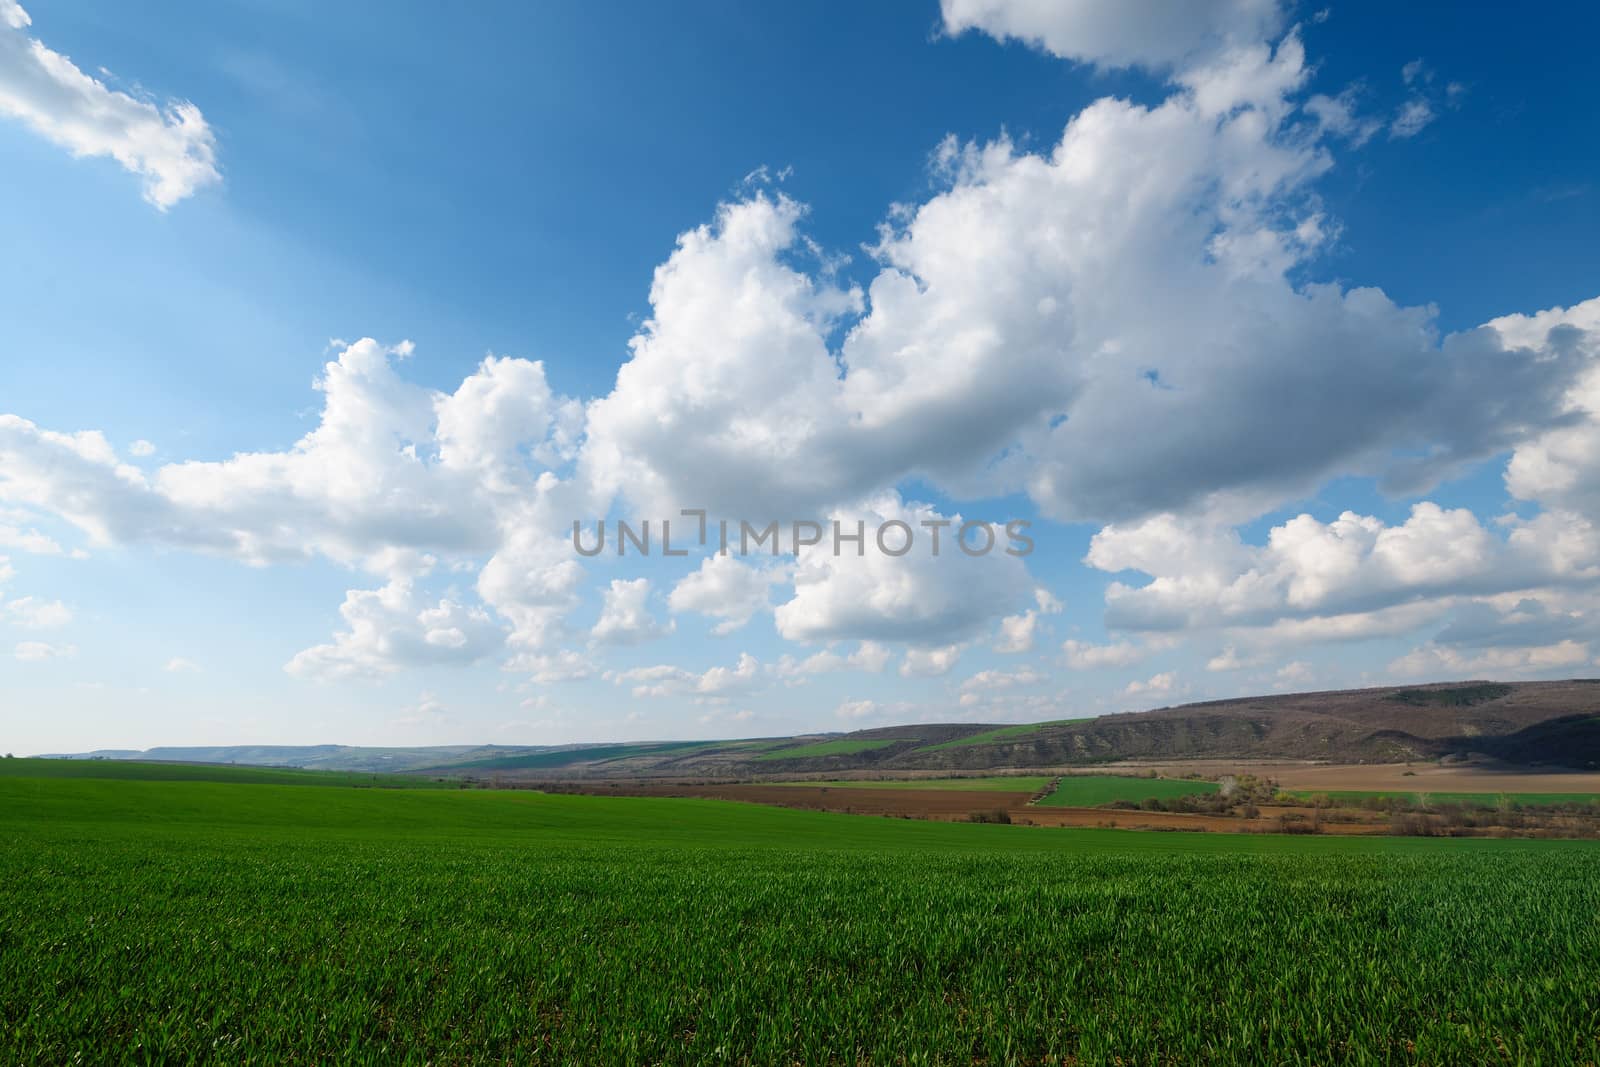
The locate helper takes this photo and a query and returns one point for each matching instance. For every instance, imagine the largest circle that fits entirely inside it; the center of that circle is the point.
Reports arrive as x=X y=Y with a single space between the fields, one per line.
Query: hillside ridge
x=1553 y=722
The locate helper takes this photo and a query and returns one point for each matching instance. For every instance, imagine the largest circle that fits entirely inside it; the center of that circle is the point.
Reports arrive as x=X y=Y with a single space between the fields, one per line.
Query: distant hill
x=1538 y=722
x=1555 y=723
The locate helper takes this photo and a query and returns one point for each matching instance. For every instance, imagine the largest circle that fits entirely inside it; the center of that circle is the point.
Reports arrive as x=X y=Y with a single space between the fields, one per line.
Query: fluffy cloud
x=719 y=680
x=30 y=613
x=730 y=396
x=1551 y=633
x=171 y=147
x=1394 y=621
x=726 y=589
x=548 y=668
x=981 y=688
x=1118 y=33
x=1434 y=661
x=715 y=684
x=1230 y=659
x=1205 y=576
x=1519 y=602
x=505 y=407
x=1340 y=116
x=929 y=662
x=1560 y=467
x=1155 y=685
x=385 y=473
x=869 y=656
x=1115 y=326
x=390 y=628
x=625 y=617
x=1084 y=656
x=916 y=597
x=1017 y=631
x=990 y=680
x=393 y=476
x=1118 y=325
x=79 y=477
x=1295 y=673
x=13 y=535
x=1418 y=111
x=360 y=483
x=533 y=581
x=1523 y=622
x=1414 y=116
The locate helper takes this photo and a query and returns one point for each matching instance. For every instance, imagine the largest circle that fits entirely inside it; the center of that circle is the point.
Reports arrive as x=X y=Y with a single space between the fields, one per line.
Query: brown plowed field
x=946 y=804
x=958 y=805
x=915 y=803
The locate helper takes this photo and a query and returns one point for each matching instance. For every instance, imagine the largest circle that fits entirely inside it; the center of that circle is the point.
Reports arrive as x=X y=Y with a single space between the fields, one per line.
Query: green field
x=135 y=770
x=828 y=748
x=999 y=734
x=159 y=921
x=1020 y=783
x=1091 y=790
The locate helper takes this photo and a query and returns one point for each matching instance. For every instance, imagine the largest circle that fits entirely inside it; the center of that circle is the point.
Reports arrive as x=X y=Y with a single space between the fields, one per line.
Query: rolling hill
x=1556 y=723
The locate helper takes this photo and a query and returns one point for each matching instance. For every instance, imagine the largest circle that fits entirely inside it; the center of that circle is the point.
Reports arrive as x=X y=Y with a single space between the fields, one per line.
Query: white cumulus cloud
x=171 y=147
x=625 y=616
x=392 y=627
x=726 y=589
x=1119 y=33
x=916 y=597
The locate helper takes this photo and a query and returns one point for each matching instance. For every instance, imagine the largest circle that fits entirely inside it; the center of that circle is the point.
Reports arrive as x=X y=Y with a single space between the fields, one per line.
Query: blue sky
x=509 y=180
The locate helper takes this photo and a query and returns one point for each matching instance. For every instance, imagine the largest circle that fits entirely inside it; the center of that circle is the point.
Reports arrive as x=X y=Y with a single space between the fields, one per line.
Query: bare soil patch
x=910 y=803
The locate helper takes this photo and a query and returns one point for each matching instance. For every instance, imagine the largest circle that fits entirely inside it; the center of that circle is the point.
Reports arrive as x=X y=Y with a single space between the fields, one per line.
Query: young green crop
x=841 y=747
x=1091 y=790
x=157 y=771
x=1018 y=783
x=1000 y=734
x=154 y=922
